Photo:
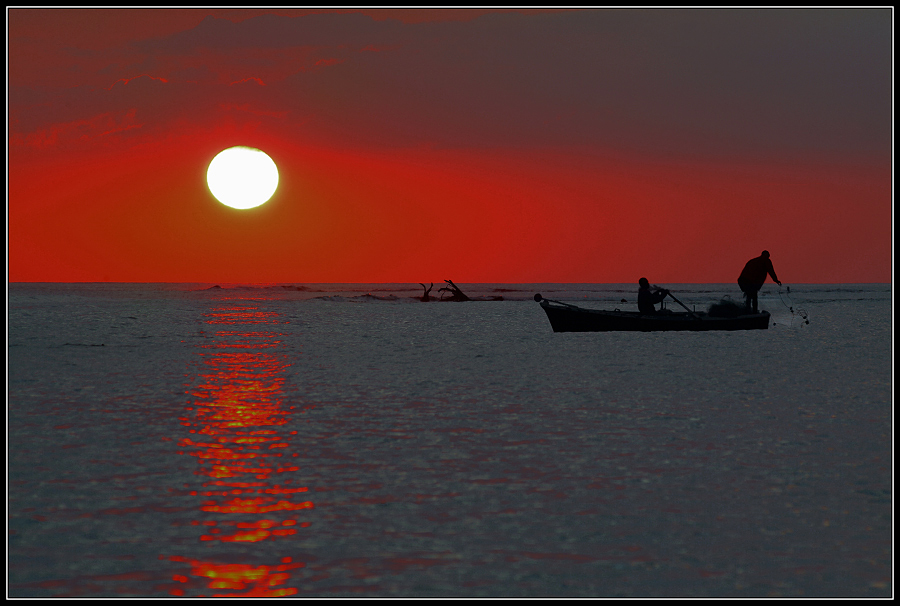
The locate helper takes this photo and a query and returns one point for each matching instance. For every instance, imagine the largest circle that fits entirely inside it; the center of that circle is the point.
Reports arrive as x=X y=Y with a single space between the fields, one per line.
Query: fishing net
x=726 y=308
x=799 y=316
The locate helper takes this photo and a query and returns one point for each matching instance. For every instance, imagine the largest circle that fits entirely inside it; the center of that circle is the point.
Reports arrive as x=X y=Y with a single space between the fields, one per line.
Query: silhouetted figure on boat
x=455 y=293
x=754 y=276
x=648 y=298
x=426 y=298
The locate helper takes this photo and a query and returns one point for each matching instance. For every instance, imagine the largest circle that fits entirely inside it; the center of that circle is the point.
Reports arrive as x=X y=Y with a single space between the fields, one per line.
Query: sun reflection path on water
x=236 y=419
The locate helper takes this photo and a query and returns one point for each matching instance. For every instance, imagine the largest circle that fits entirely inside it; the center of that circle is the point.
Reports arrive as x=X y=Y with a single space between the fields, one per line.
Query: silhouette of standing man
x=754 y=276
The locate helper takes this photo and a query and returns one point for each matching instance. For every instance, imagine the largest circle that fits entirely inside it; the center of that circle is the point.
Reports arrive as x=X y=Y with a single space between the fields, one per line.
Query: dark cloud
x=698 y=82
x=275 y=31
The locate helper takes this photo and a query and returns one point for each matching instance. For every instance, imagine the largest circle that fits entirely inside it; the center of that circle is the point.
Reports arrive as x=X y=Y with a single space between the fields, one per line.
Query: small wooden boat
x=570 y=318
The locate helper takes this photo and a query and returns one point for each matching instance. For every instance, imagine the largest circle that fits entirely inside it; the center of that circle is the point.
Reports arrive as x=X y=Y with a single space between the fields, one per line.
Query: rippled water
x=348 y=440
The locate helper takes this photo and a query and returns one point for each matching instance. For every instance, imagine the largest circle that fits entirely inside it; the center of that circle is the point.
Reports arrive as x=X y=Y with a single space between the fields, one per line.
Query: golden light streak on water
x=236 y=418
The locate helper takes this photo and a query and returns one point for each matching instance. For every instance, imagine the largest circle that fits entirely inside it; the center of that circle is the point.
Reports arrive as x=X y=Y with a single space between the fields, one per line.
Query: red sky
x=481 y=146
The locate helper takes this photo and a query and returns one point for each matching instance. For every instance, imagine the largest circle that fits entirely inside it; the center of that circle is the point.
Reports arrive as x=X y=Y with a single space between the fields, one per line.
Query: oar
x=668 y=292
x=539 y=298
x=680 y=303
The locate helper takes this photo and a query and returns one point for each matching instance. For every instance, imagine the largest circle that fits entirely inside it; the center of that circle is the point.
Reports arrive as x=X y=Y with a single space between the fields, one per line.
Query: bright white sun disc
x=242 y=177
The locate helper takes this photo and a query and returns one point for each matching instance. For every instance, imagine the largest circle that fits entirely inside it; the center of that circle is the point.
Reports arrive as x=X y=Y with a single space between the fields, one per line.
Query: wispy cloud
x=80 y=131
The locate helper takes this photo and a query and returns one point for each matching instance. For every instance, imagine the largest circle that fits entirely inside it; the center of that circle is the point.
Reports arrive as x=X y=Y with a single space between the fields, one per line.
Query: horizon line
x=401 y=282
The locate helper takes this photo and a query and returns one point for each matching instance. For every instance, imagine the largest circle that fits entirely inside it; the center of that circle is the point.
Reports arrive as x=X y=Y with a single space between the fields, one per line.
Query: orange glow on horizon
x=477 y=216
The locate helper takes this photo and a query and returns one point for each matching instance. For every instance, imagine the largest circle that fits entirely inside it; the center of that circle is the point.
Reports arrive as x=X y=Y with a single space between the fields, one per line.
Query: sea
x=353 y=441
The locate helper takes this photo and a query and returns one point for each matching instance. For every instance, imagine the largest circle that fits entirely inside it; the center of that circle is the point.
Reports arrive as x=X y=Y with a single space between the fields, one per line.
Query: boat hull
x=569 y=318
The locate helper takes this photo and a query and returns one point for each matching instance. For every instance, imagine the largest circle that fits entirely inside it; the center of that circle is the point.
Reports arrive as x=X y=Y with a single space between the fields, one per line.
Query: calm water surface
x=348 y=440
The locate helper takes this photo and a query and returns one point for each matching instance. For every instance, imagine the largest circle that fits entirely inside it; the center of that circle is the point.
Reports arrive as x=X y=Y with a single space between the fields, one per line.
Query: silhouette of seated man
x=647 y=299
x=754 y=276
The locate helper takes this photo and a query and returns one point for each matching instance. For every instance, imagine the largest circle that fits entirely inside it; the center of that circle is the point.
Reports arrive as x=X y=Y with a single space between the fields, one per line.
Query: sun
x=242 y=177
